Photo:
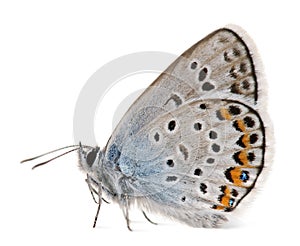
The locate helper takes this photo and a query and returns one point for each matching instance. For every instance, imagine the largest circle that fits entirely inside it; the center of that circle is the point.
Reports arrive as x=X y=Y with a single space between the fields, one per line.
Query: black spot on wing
x=203 y=188
x=198 y=172
x=207 y=86
x=202 y=74
x=172 y=125
x=170 y=163
x=197 y=126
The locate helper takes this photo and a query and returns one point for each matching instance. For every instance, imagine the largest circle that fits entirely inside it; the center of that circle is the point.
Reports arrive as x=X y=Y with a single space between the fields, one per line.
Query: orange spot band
x=225 y=113
x=241 y=125
x=243 y=157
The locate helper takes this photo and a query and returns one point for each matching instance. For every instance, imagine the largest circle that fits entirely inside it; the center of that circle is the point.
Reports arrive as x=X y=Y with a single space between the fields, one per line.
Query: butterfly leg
x=147 y=218
x=92 y=190
x=99 y=205
x=126 y=211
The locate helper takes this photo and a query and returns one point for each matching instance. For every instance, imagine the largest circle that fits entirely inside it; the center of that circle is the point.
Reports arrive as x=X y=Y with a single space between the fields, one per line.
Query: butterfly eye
x=91 y=157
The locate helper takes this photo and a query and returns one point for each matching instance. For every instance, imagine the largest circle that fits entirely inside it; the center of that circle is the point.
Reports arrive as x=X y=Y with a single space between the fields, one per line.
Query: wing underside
x=194 y=139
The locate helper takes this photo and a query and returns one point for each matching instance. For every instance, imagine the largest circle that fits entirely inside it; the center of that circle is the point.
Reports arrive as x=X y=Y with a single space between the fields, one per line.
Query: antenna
x=76 y=147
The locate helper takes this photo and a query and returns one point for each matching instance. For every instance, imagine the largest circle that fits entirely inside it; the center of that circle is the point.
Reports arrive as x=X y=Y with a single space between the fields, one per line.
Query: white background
x=47 y=53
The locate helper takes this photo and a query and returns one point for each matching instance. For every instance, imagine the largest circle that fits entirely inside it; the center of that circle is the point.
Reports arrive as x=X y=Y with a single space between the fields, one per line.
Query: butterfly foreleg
x=89 y=181
x=93 y=191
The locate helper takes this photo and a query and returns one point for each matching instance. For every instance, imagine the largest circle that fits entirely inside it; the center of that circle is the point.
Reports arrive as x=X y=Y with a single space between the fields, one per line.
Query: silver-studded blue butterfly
x=193 y=145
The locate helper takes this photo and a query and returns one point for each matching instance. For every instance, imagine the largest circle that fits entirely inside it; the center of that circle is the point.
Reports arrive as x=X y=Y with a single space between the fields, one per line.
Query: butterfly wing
x=193 y=143
x=218 y=66
x=205 y=155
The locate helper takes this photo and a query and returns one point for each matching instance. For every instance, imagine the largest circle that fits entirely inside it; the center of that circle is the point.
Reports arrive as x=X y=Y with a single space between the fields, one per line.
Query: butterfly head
x=89 y=158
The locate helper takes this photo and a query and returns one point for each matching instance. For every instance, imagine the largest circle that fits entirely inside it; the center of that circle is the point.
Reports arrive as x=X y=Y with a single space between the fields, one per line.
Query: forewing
x=219 y=66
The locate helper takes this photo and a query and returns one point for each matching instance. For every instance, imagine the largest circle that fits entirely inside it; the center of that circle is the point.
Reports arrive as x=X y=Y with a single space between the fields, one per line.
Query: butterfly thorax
x=104 y=173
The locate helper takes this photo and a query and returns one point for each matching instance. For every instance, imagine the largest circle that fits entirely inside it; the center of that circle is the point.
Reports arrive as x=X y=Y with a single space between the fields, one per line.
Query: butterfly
x=193 y=145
